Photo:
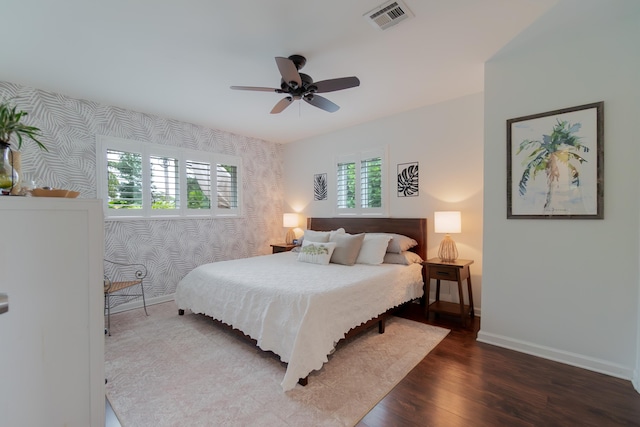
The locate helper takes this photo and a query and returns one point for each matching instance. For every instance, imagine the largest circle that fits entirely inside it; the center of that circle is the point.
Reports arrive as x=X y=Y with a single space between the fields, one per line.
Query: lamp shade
x=290 y=220
x=447 y=222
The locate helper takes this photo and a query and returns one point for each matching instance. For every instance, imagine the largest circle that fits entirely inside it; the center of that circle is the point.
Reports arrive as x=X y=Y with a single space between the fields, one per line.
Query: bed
x=300 y=310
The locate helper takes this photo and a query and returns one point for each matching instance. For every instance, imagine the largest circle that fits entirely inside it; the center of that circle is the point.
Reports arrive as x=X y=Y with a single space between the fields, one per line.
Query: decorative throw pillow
x=405 y=258
x=316 y=252
x=374 y=246
x=347 y=248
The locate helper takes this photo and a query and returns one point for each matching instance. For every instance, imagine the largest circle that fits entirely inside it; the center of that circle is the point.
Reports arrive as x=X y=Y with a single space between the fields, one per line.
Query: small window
x=227 y=183
x=360 y=178
x=165 y=183
x=346 y=185
x=124 y=180
x=371 y=183
x=198 y=185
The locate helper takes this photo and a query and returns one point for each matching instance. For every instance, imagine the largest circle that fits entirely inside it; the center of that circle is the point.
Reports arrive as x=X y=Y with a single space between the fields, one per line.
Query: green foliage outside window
x=196 y=198
x=372 y=183
x=125 y=181
x=350 y=184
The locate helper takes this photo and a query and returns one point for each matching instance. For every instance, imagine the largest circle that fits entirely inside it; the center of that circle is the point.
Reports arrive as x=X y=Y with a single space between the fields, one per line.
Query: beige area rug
x=170 y=370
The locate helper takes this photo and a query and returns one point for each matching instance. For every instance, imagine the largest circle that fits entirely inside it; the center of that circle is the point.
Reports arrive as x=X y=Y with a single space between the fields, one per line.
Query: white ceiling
x=177 y=59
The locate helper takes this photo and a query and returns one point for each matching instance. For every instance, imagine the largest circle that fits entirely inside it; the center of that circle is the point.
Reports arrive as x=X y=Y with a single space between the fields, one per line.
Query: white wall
x=446 y=140
x=567 y=289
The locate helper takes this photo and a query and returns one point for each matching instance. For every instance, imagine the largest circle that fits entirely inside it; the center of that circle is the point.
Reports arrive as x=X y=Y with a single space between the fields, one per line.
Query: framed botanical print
x=320 y=186
x=555 y=164
x=408 y=182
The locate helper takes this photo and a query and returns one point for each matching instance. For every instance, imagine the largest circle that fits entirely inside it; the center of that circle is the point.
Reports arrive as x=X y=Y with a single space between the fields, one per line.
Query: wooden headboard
x=415 y=228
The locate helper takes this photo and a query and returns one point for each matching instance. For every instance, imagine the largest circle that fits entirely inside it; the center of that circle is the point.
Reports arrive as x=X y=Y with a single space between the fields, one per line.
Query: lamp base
x=288 y=239
x=448 y=251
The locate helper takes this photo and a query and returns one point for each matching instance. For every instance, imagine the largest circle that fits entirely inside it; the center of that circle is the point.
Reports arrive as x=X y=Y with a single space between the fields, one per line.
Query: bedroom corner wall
x=168 y=247
x=567 y=290
x=446 y=140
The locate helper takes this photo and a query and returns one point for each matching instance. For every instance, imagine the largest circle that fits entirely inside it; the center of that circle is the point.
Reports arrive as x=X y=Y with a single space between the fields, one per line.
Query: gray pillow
x=405 y=258
x=399 y=243
x=347 y=248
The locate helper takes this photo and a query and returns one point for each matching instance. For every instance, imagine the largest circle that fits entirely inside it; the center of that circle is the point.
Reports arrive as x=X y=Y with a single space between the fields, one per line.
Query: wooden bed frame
x=416 y=228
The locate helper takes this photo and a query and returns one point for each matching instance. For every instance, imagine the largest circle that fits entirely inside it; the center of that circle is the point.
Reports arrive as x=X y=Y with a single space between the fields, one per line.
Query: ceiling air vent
x=388 y=14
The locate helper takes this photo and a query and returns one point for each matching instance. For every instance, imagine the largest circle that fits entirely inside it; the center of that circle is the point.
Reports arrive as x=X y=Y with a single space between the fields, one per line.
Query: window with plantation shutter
x=371 y=183
x=346 y=194
x=165 y=182
x=198 y=185
x=138 y=179
x=360 y=178
x=227 y=185
x=124 y=180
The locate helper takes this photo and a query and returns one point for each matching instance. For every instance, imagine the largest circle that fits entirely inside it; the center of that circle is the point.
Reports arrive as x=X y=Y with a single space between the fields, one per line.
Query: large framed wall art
x=555 y=164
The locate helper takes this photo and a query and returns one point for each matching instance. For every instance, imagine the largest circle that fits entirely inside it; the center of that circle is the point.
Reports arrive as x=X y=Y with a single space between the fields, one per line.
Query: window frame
x=358 y=158
x=146 y=150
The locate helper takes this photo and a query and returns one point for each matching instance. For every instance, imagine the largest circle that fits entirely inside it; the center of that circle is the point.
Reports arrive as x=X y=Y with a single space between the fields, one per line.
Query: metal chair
x=118 y=278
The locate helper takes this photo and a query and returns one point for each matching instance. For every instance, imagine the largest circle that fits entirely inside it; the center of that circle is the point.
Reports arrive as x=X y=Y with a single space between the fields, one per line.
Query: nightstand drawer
x=443 y=273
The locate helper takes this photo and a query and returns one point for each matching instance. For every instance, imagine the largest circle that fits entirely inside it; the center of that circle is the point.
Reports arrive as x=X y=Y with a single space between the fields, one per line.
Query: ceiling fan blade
x=281 y=105
x=336 y=84
x=322 y=103
x=289 y=72
x=259 y=89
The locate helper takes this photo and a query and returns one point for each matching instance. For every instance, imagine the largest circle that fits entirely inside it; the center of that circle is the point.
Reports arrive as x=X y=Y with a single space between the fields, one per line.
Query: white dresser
x=52 y=336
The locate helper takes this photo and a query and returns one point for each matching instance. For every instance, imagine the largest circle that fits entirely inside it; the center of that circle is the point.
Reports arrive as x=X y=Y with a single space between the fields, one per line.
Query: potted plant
x=10 y=125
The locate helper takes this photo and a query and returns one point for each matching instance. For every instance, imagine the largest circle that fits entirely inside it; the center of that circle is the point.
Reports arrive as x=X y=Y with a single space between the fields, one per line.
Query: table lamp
x=290 y=221
x=447 y=222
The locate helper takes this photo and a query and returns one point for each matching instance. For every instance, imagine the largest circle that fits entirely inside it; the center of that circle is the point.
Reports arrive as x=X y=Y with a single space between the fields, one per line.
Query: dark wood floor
x=466 y=383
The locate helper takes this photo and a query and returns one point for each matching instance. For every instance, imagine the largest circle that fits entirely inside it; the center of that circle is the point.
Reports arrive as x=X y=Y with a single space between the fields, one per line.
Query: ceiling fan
x=301 y=86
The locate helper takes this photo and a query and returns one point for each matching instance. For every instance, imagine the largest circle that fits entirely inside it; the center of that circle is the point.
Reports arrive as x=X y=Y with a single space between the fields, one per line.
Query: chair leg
x=104 y=314
x=108 y=300
x=144 y=303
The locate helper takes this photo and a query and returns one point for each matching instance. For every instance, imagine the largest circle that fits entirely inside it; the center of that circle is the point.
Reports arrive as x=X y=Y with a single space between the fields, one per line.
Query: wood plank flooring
x=466 y=383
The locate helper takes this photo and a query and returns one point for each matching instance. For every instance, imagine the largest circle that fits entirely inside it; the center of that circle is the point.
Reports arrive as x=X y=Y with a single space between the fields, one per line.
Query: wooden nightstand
x=282 y=247
x=455 y=271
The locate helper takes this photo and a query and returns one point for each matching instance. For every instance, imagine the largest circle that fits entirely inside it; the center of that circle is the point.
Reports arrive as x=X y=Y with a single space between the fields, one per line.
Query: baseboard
x=131 y=305
x=636 y=380
x=556 y=355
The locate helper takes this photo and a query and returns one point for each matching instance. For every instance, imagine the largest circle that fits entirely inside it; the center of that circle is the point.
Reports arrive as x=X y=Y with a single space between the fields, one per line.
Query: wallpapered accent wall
x=169 y=248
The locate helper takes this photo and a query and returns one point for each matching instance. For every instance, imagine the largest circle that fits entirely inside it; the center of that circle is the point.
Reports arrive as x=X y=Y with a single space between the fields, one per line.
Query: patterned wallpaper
x=169 y=248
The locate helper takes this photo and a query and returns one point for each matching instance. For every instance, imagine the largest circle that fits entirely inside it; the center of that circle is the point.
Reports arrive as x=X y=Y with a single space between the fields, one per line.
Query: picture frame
x=320 y=190
x=408 y=180
x=555 y=164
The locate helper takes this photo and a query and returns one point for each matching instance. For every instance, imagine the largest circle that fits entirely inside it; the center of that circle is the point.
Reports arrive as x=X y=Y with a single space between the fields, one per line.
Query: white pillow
x=316 y=236
x=373 y=248
x=333 y=233
x=316 y=252
x=321 y=236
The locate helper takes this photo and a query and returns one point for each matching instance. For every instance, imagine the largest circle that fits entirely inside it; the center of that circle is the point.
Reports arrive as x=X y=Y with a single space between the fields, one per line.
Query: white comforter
x=296 y=309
